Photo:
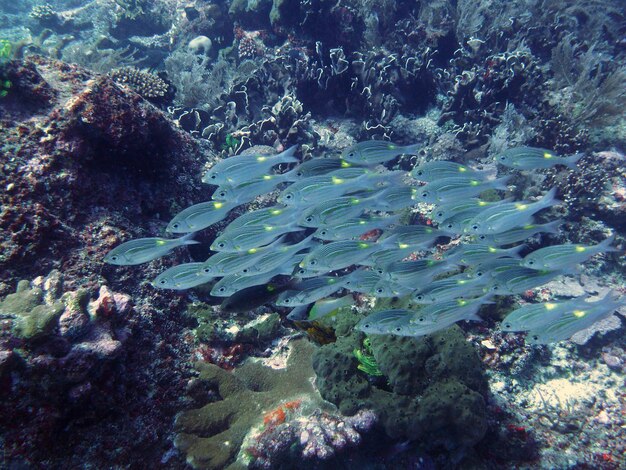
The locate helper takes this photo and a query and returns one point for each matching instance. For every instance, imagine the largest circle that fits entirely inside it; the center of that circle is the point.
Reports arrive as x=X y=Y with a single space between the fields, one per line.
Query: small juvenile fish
x=181 y=277
x=250 y=189
x=415 y=274
x=250 y=298
x=373 y=152
x=533 y=316
x=332 y=211
x=515 y=280
x=354 y=228
x=565 y=256
x=509 y=215
x=275 y=215
x=437 y=170
x=519 y=234
x=241 y=168
x=440 y=315
x=319 y=166
x=457 y=188
x=310 y=290
x=385 y=322
x=530 y=158
x=199 y=216
x=143 y=250
x=564 y=326
x=248 y=237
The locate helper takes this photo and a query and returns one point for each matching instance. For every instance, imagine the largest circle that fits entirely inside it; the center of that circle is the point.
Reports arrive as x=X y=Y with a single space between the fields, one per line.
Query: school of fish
x=337 y=227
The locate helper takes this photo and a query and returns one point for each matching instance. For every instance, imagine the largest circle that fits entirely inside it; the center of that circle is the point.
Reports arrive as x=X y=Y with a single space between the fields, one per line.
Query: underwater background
x=403 y=227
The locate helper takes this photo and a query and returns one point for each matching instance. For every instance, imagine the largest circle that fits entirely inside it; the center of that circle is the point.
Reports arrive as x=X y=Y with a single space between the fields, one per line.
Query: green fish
x=143 y=250
x=437 y=170
x=182 y=276
x=531 y=158
x=565 y=256
x=199 y=216
x=241 y=168
x=320 y=309
x=373 y=152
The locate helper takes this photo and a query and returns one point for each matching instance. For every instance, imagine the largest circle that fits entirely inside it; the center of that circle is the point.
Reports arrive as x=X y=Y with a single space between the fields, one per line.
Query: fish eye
x=481 y=237
x=420 y=319
x=309 y=219
x=351 y=154
x=213 y=177
x=380 y=271
x=206 y=270
x=502 y=157
x=288 y=196
x=475 y=227
x=424 y=194
x=299 y=173
x=323 y=232
x=507 y=325
x=221 y=245
x=162 y=282
x=398 y=329
x=535 y=337
x=222 y=289
x=222 y=194
x=312 y=262
x=367 y=325
x=379 y=290
x=176 y=225
x=531 y=262
x=419 y=297
x=287 y=301
x=245 y=270
x=114 y=258
x=419 y=173
x=449 y=226
x=439 y=214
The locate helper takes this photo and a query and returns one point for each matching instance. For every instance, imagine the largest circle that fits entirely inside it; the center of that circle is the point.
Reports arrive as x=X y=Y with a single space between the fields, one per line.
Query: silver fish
x=143 y=250
x=199 y=216
x=354 y=228
x=369 y=282
x=310 y=290
x=320 y=309
x=454 y=189
x=319 y=166
x=250 y=189
x=565 y=325
x=506 y=216
x=233 y=283
x=373 y=152
x=182 y=276
x=565 y=256
x=233 y=262
x=437 y=170
x=385 y=322
x=533 y=316
x=248 y=237
x=242 y=168
x=275 y=215
x=530 y=158
x=519 y=234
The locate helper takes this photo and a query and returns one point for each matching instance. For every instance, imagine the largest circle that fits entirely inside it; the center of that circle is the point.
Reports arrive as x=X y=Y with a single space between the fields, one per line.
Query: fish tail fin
x=288 y=156
x=571 y=162
x=188 y=239
x=500 y=183
x=552 y=227
x=412 y=149
x=605 y=245
x=515 y=251
x=549 y=199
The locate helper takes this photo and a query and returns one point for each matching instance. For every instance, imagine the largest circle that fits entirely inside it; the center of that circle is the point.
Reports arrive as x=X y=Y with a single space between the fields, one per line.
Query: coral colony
x=325 y=234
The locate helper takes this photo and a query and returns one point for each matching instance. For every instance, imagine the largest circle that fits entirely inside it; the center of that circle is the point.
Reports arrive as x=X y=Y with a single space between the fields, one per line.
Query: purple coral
x=319 y=435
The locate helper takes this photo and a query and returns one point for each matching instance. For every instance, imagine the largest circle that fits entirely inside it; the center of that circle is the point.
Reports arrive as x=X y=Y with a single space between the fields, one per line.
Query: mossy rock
x=432 y=391
x=32 y=318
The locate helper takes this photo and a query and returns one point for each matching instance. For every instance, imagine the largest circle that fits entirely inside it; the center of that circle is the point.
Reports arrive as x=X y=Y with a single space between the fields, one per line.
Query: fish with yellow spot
x=565 y=324
x=534 y=316
x=531 y=158
x=241 y=168
x=374 y=152
x=143 y=250
x=565 y=256
x=199 y=216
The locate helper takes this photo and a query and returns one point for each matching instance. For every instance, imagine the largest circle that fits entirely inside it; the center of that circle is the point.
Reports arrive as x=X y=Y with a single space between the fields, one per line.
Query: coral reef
x=146 y=84
x=211 y=435
x=432 y=388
